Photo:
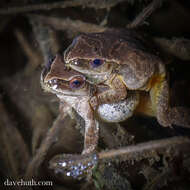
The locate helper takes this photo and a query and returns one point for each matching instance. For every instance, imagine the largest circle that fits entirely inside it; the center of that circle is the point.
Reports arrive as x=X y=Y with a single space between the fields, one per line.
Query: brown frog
x=123 y=61
x=75 y=92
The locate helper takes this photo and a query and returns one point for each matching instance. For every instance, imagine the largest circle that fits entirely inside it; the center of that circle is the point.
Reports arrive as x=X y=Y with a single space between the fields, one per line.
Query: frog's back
x=132 y=53
x=127 y=48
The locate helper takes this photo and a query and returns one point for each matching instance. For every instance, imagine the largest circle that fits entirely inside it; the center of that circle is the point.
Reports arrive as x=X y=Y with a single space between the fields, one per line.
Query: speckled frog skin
x=122 y=61
x=75 y=92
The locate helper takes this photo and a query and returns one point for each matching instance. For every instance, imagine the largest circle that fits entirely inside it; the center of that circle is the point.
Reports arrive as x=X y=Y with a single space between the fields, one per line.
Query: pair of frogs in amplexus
x=114 y=75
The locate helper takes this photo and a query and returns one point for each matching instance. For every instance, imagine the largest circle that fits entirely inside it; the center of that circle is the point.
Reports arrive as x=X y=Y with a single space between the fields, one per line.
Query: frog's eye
x=96 y=62
x=77 y=82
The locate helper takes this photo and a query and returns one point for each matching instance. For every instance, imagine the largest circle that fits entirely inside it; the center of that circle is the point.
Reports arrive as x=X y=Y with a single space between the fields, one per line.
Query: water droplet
x=63 y=164
x=82 y=167
x=95 y=157
x=54 y=86
x=77 y=173
x=68 y=173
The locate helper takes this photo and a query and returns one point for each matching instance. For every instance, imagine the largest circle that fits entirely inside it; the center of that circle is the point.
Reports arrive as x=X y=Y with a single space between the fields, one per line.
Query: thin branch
x=147 y=149
x=97 y=4
x=140 y=19
x=49 y=140
x=14 y=151
x=66 y=162
x=34 y=57
x=69 y=24
x=178 y=47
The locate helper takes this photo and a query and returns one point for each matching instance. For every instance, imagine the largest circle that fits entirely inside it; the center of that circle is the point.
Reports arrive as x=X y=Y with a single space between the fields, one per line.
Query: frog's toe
x=94 y=102
x=180 y=116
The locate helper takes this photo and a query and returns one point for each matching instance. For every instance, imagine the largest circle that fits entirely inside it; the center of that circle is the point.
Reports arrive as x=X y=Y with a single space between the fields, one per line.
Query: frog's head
x=89 y=54
x=56 y=78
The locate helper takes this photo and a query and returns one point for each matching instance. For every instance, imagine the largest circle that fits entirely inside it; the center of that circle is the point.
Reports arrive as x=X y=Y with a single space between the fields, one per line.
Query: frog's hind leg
x=91 y=134
x=165 y=114
x=159 y=95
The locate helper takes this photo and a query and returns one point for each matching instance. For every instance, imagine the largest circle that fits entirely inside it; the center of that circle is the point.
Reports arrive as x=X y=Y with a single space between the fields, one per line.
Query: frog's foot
x=180 y=116
x=73 y=165
x=94 y=103
x=116 y=93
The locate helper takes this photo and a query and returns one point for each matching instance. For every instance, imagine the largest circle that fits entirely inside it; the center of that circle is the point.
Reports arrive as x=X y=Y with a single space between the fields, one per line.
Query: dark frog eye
x=96 y=62
x=77 y=82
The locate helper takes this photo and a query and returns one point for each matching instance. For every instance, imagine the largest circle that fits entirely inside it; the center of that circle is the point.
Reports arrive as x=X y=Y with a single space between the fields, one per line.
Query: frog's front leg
x=116 y=93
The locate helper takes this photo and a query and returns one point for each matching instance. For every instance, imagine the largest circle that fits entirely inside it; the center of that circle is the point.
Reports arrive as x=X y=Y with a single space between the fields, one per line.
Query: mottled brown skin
x=128 y=64
x=57 y=74
x=56 y=79
x=124 y=51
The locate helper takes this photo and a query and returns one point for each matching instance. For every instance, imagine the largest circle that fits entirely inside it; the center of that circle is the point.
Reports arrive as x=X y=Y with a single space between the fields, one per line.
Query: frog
x=74 y=92
x=124 y=61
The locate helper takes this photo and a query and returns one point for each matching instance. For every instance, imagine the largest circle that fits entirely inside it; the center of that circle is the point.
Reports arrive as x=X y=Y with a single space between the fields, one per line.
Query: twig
x=35 y=58
x=146 y=149
x=50 y=139
x=178 y=47
x=97 y=4
x=45 y=37
x=69 y=24
x=139 y=20
x=68 y=164
x=14 y=151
